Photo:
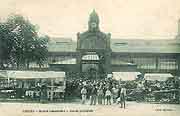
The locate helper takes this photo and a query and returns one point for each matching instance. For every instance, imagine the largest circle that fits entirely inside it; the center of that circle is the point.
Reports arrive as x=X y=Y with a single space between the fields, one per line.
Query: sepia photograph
x=89 y=57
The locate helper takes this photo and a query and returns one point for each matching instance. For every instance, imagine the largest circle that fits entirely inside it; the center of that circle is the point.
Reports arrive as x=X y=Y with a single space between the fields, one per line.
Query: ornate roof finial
x=94 y=17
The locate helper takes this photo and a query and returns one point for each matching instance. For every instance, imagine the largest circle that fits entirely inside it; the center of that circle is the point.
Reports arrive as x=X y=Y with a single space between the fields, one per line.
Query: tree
x=5 y=45
x=20 y=44
x=24 y=34
x=41 y=52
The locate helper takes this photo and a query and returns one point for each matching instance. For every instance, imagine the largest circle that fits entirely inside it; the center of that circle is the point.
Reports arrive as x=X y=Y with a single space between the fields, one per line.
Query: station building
x=95 y=54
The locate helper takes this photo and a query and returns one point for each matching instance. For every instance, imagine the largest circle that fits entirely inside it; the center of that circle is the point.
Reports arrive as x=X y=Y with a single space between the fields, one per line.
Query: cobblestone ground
x=77 y=109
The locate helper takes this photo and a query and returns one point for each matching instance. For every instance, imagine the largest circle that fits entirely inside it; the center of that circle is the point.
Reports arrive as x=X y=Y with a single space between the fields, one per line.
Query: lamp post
x=52 y=92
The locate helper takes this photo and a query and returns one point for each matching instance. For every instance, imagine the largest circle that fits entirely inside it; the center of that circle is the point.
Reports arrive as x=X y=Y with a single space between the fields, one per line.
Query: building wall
x=148 y=62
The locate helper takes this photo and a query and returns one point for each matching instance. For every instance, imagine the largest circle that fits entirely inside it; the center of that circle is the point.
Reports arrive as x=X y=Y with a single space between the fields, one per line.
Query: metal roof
x=62 y=45
x=123 y=45
x=145 y=46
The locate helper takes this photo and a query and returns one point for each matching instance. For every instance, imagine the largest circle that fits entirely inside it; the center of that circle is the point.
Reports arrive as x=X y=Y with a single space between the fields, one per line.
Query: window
x=167 y=63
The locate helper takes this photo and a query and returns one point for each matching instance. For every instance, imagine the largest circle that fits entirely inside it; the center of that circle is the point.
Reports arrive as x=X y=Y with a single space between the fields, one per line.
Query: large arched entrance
x=92 y=65
x=93 y=73
x=93 y=47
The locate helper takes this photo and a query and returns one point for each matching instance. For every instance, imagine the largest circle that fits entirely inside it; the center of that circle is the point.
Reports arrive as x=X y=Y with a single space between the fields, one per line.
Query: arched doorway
x=93 y=73
x=91 y=65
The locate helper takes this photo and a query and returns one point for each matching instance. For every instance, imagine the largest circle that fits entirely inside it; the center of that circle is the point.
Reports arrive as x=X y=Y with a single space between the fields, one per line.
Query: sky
x=143 y=19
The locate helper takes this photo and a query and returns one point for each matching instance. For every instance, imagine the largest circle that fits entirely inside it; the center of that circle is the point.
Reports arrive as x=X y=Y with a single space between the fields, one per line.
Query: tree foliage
x=20 y=44
x=6 y=43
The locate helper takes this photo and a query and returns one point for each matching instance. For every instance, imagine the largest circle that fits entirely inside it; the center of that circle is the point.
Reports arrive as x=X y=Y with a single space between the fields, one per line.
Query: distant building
x=96 y=54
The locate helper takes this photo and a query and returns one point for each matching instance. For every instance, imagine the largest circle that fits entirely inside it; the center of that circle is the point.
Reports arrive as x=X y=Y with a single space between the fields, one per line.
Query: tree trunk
x=18 y=64
x=27 y=65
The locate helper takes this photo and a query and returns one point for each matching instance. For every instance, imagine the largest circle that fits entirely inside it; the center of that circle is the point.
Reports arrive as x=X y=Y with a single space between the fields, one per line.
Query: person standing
x=100 y=95
x=104 y=95
x=83 y=95
x=123 y=97
x=115 y=93
x=93 y=95
x=108 y=96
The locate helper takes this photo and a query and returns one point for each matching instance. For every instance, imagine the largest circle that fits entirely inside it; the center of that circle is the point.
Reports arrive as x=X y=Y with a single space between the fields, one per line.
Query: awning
x=157 y=76
x=66 y=61
x=125 y=76
x=90 y=57
x=3 y=74
x=36 y=75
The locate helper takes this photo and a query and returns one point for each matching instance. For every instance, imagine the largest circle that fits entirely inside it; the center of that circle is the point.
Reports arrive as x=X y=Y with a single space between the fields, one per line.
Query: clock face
x=93 y=25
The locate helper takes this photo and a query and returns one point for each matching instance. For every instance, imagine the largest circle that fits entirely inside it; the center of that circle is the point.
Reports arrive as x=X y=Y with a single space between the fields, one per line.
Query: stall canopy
x=125 y=76
x=3 y=74
x=36 y=74
x=66 y=61
x=157 y=76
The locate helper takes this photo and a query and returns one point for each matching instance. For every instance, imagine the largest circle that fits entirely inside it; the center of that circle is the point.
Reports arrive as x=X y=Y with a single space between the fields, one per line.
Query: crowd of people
x=103 y=92
x=109 y=91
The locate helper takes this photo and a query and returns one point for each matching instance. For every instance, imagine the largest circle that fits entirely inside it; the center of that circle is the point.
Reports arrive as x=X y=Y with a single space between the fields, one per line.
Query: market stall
x=36 y=85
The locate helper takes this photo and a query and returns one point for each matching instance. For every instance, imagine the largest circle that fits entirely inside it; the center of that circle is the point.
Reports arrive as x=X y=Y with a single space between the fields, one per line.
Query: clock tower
x=93 y=47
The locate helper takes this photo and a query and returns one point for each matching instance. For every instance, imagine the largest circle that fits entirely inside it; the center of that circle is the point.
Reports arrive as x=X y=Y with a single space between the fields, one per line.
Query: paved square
x=76 y=109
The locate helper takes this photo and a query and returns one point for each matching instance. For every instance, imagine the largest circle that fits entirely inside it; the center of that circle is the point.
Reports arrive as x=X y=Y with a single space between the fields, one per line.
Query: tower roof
x=93 y=17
